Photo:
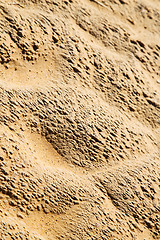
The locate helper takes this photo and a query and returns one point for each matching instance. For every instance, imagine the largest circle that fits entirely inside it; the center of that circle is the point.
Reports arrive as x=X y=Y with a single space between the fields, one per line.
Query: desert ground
x=80 y=119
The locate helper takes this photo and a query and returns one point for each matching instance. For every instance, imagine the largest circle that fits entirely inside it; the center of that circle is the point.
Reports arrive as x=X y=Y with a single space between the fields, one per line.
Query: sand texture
x=80 y=119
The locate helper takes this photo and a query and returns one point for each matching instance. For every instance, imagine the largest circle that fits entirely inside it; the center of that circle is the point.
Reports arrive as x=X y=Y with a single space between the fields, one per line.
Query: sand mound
x=79 y=119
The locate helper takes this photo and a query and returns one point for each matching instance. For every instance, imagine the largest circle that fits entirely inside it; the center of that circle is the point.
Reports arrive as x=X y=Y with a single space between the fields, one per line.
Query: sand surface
x=80 y=119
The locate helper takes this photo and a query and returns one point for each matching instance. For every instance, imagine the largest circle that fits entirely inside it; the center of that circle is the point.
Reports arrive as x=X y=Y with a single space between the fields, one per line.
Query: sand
x=80 y=119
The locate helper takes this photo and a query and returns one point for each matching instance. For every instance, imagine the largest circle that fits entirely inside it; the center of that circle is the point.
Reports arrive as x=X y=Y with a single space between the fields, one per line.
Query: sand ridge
x=79 y=119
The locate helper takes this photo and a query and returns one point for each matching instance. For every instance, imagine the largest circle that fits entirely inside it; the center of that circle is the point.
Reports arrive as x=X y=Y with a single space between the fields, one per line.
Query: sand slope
x=79 y=119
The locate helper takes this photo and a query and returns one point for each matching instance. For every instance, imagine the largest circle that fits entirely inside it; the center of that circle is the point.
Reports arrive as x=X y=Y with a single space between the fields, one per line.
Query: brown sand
x=80 y=119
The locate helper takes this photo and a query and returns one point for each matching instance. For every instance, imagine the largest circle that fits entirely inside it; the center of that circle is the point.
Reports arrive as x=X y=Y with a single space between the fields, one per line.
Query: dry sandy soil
x=80 y=119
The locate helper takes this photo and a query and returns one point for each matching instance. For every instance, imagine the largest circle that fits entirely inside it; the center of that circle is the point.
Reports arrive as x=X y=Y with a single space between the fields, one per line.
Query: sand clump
x=79 y=120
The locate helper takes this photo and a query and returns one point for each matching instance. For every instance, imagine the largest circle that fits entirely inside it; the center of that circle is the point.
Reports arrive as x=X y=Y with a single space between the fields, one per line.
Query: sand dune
x=79 y=119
